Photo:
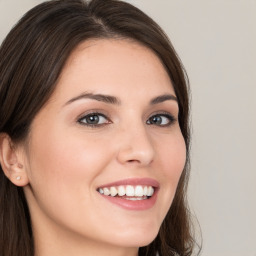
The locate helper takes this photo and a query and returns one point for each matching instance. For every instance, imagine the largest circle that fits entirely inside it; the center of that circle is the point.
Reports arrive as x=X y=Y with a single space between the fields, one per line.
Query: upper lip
x=133 y=181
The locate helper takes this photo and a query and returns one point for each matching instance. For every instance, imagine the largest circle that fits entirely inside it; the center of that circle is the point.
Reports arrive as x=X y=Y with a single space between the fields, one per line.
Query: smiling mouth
x=128 y=192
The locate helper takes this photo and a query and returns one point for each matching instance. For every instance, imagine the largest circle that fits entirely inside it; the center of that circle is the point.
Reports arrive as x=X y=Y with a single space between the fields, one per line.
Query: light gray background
x=216 y=41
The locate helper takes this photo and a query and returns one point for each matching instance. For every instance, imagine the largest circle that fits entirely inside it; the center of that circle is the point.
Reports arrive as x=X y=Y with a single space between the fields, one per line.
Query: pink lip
x=138 y=205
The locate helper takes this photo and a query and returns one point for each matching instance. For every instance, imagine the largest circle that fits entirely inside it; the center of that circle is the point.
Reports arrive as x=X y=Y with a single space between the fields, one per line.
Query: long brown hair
x=31 y=59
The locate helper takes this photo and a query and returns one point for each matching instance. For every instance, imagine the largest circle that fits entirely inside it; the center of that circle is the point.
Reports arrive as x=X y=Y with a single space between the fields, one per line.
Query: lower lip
x=138 y=205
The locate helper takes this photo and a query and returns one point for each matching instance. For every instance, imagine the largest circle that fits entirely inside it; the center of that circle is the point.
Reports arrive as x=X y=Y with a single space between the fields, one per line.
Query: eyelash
x=171 y=119
x=93 y=114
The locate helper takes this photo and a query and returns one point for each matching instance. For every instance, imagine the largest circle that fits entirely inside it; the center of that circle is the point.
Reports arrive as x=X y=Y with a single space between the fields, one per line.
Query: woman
x=94 y=134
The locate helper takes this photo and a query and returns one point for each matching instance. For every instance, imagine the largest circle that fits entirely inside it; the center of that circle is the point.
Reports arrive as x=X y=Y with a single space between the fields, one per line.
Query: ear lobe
x=11 y=163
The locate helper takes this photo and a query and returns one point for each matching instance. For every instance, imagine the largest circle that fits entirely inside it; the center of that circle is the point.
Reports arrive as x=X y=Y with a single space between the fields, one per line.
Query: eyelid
x=166 y=114
x=95 y=111
x=91 y=113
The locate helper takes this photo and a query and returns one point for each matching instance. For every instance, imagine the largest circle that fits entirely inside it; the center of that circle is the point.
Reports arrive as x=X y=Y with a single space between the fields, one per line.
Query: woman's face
x=110 y=127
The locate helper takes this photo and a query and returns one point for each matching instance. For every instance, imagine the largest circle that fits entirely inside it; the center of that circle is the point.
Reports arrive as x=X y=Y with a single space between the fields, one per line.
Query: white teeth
x=129 y=190
x=113 y=191
x=106 y=191
x=145 y=192
x=138 y=191
x=136 y=198
x=150 y=191
x=121 y=191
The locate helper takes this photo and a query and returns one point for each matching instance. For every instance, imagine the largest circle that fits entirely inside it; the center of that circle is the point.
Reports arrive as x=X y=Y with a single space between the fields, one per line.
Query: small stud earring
x=18 y=178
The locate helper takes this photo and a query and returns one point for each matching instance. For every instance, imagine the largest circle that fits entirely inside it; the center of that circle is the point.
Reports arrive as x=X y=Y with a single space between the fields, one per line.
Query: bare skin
x=67 y=158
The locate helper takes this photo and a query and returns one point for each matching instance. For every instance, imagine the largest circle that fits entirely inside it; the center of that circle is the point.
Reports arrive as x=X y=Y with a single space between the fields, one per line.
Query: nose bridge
x=136 y=145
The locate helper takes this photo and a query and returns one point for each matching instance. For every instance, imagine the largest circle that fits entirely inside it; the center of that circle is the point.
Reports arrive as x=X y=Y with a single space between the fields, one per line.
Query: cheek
x=62 y=157
x=63 y=167
x=172 y=159
x=63 y=171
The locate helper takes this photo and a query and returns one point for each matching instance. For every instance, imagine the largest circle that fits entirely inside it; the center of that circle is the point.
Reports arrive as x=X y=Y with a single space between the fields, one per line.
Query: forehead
x=111 y=65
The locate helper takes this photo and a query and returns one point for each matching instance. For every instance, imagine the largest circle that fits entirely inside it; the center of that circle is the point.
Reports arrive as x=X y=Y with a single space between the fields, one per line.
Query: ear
x=12 y=161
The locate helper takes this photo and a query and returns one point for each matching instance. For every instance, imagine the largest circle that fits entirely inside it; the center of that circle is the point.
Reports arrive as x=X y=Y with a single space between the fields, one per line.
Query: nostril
x=133 y=161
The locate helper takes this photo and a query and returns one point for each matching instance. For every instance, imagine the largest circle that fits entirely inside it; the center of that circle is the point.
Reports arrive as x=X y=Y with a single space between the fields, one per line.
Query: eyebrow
x=99 y=97
x=115 y=101
x=163 y=98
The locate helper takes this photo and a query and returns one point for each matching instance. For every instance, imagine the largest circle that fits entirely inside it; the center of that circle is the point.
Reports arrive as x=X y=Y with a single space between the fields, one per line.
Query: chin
x=137 y=238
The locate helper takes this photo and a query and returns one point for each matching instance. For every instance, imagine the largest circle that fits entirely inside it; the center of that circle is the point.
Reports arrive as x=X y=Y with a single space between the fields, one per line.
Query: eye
x=161 y=120
x=94 y=119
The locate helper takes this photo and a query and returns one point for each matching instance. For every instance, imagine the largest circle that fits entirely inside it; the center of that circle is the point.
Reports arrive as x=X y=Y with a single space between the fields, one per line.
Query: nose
x=135 y=147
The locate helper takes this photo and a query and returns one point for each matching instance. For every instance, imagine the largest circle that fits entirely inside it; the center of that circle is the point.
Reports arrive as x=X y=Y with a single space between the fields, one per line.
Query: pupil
x=93 y=119
x=156 y=120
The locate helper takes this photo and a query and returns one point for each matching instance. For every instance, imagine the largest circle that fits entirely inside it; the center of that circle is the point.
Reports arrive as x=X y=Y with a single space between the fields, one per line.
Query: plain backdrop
x=216 y=41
